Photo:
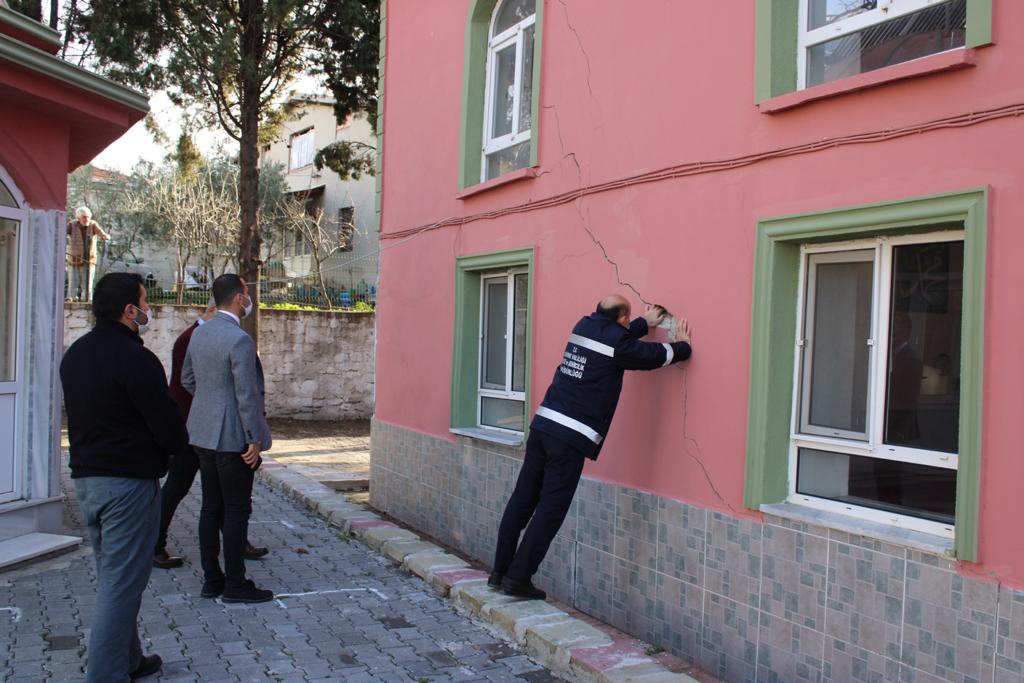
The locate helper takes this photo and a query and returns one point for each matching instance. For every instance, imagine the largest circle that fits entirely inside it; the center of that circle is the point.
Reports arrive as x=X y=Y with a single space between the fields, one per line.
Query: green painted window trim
x=466 y=342
x=474 y=78
x=775 y=35
x=773 y=335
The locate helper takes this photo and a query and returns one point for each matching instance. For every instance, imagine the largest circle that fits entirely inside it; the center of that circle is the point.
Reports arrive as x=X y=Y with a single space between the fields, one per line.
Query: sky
x=138 y=145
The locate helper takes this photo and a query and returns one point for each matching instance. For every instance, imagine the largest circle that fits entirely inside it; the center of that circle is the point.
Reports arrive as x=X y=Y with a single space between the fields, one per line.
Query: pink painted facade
x=680 y=94
x=625 y=91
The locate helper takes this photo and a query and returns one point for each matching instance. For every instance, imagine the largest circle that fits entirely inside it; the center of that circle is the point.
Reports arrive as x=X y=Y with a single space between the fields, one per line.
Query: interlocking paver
x=347 y=614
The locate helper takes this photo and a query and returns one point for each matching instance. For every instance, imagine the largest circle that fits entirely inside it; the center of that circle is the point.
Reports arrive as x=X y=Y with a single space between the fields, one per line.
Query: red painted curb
x=450 y=577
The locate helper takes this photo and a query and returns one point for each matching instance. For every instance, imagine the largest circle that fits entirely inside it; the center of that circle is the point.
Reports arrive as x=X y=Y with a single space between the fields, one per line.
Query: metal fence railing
x=293 y=293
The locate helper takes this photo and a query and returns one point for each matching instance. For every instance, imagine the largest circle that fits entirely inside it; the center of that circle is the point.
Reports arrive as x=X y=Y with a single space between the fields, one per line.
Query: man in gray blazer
x=228 y=428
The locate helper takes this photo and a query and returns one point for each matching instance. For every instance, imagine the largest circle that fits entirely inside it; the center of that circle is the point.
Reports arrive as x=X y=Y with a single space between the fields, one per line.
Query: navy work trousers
x=544 y=491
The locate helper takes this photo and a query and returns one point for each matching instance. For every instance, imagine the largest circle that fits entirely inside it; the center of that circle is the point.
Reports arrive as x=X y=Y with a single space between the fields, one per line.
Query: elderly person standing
x=82 y=234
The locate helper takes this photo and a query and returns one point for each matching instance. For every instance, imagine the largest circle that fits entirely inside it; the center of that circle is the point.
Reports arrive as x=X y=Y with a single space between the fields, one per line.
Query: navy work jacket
x=580 y=403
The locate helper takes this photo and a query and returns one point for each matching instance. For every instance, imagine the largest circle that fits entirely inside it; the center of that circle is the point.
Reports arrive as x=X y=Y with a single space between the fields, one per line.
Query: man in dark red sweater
x=183 y=467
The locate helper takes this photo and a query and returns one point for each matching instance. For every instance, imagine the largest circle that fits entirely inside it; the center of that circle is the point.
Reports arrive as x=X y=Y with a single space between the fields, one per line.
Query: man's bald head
x=615 y=307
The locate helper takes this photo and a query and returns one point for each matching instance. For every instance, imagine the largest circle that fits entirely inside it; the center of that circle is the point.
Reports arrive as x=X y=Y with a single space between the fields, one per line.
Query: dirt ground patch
x=323 y=450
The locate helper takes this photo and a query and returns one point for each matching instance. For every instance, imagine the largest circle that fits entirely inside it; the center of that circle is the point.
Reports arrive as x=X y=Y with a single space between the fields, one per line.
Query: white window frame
x=874 y=446
x=18 y=388
x=808 y=38
x=508 y=394
x=495 y=44
x=305 y=136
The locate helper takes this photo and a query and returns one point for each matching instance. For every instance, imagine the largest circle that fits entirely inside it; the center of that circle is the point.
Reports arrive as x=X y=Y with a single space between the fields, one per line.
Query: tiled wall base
x=751 y=601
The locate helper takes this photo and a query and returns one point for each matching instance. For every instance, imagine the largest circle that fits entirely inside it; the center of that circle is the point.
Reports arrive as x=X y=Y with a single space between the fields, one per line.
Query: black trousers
x=181 y=472
x=227 y=504
x=544 y=491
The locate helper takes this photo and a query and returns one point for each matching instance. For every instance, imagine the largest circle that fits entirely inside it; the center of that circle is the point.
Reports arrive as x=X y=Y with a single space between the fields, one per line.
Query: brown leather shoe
x=161 y=560
x=253 y=552
x=149 y=665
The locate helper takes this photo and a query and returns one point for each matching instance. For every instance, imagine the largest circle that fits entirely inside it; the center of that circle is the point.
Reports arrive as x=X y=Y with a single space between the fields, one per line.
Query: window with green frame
x=491 y=349
x=866 y=363
x=802 y=43
x=500 y=89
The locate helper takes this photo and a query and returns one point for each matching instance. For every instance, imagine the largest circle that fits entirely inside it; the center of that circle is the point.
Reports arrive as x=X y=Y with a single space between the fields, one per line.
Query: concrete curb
x=556 y=639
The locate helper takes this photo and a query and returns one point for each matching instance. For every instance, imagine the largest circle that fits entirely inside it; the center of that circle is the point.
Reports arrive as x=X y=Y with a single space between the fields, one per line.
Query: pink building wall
x=624 y=92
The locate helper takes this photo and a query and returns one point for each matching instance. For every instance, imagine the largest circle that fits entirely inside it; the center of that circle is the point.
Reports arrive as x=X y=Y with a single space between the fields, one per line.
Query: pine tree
x=235 y=59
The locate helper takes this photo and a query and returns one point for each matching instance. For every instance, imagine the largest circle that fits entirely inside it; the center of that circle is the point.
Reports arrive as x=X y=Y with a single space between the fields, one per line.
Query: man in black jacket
x=122 y=425
x=570 y=425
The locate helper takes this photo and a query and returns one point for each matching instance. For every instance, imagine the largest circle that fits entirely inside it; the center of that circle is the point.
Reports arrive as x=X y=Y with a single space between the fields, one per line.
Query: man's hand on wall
x=683 y=331
x=654 y=315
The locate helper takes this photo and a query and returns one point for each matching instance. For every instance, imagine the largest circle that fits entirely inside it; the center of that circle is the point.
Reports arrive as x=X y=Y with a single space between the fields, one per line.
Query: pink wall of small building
x=624 y=92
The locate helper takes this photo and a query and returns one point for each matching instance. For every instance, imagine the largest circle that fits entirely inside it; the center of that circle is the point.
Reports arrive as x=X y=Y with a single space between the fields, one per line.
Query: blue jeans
x=124 y=518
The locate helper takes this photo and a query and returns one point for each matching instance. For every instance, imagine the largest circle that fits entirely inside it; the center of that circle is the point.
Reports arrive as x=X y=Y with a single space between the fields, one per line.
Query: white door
x=12 y=371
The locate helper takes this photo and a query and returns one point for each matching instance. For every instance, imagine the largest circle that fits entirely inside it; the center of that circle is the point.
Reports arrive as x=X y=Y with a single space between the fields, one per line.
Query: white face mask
x=248 y=307
x=143 y=326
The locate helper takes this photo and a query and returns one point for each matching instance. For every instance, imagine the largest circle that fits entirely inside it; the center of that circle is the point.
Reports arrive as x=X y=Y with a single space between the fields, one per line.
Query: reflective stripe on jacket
x=580 y=403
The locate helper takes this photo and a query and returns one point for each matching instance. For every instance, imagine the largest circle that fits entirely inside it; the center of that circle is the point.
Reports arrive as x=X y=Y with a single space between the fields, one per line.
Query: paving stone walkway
x=342 y=613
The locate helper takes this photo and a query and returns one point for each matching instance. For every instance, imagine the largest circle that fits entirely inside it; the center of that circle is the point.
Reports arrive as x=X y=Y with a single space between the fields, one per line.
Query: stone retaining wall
x=319 y=365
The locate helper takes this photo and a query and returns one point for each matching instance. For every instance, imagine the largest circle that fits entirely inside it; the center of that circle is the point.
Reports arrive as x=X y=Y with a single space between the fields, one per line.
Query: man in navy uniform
x=570 y=426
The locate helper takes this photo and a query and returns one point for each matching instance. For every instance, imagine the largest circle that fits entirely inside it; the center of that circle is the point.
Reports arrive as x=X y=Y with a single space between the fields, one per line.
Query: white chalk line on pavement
x=277 y=598
x=15 y=613
x=274 y=521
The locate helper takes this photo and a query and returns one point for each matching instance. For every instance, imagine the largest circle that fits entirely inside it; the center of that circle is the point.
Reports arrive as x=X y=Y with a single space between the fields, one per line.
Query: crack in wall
x=688 y=440
x=561 y=145
x=690 y=444
x=604 y=253
x=579 y=41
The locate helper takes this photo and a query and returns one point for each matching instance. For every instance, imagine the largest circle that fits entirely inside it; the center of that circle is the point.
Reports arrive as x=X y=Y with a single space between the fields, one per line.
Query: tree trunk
x=249 y=262
x=323 y=285
x=180 y=275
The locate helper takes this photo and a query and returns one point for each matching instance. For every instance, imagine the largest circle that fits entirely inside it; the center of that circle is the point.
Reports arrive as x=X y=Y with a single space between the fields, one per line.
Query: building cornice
x=37 y=60
x=30 y=27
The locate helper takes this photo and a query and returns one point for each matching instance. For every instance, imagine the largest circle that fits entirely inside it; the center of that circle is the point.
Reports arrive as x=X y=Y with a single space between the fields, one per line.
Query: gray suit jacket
x=225 y=378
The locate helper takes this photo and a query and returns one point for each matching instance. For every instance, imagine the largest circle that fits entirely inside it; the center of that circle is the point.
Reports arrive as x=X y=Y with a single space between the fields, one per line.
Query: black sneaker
x=149 y=665
x=521 y=589
x=212 y=589
x=247 y=592
x=494 y=580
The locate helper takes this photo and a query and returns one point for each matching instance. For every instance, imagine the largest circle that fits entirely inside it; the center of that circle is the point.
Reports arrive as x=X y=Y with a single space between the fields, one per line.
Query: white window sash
x=805 y=342
x=874 y=446
x=507 y=392
x=886 y=10
x=511 y=36
x=899 y=521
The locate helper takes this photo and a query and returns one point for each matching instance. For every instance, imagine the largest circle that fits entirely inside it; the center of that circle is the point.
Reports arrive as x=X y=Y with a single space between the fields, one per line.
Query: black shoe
x=149 y=665
x=247 y=592
x=161 y=560
x=494 y=580
x=212 y=589
x=521 y=589
x=253 y=552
